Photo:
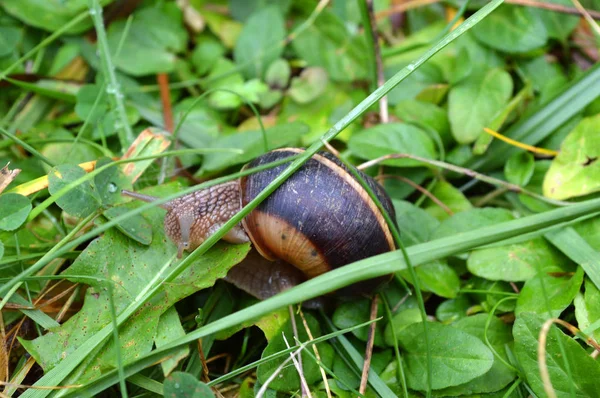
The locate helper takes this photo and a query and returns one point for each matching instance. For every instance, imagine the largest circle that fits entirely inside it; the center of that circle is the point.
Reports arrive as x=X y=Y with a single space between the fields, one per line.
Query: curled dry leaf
x=7 y=176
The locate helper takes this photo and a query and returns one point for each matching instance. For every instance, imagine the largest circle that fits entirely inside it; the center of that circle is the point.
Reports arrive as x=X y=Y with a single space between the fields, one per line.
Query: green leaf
x=354 y=313
x=453 y=310
x=10 y=37
x=320 y=45
x=430 y=115
x=259 y=44
x=169 y=329
x=514 y=263
x=1 y=250
x=288 y=379
x=573 y=370
x=512 y=29
x=207 y=52
x=437 y=277
x=400 y=321
x=587 y=310
x=86 y=97
x=417 y=225
x=548 y=294
x=242 y=9
x=278 y=74
x=136 y=227
x=184 y=385
x=499 y=375
x=110 y=182
x=80 y=201
x=519 y=168
x=156 y=34
x=457 y=357
x=252 y=143
x=385 y=139
x=474 y=102
x=309 y=85
x=470 y=220
x=455 y=200
x=50 y=15
x=14 y=209
x=575 y=171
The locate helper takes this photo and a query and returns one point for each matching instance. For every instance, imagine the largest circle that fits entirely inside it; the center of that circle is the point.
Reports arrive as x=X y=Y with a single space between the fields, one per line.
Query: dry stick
x=264 y=387
x=369 y=351
x=400 y=8
x=303 y=383
x=67 y=305
x=419 y=188
x=542 y=351
x=3 y=351
x=490 y=196
x=305 y=392
x=203 y=361
x=316 y=351
x=165 y=98
x=383 y=102
x=468 y=172
x=587 y=16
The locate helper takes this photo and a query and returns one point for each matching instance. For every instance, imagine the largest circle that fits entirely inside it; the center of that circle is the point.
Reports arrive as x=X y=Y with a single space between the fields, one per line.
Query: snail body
x=319 y=219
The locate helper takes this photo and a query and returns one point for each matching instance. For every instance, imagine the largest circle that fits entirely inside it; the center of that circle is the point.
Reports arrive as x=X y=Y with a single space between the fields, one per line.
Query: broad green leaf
x=1 y=250
x=496 y=290
x=80 y=201
x=428 y=114
x=155 y=36
x=136 y=227
x=50 y=15
x=184 y=385
x=169 y=329
x=278 y=74
x=415 y=223
x=437 y=277
x=499 y=375
x=319 y=114
x=399 y=322
x=474 y=102
x=207 y=52
x=455 y=200
x=259 y=44
x=453 y=310
x=470 y=220
x=14 y=209
x=309 y=85
x=385 y=139
x=252 y=143
x=575 y=171
x=457 y=357
x=512 y=29
x=514 y=263
x=547 y=77
x=129 y=266
x=9 y=39
x=519 y=168
x=587 y=310
x=288 y=379
x=548 y=294
x=574 y=371
x=354 y=313
x=89 y=107
x=110 y=182
x=347 y=377
x=242 y=9
x=320 y=45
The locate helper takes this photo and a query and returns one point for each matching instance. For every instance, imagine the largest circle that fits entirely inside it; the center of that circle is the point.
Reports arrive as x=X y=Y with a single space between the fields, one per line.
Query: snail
x=319 y=219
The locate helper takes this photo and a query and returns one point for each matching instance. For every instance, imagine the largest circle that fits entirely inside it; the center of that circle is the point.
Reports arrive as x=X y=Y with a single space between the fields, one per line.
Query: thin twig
x=316 y=351
x=305 y=392
x=587 y=16
x=421 y=189
x=545 y=375
x=468 y=172
x=165 y=99
x=369 y=350
x=383 y=102
x=265 y=386
x=203 y=361
x=409 y=5
x=303 y=383
x=490 y=196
